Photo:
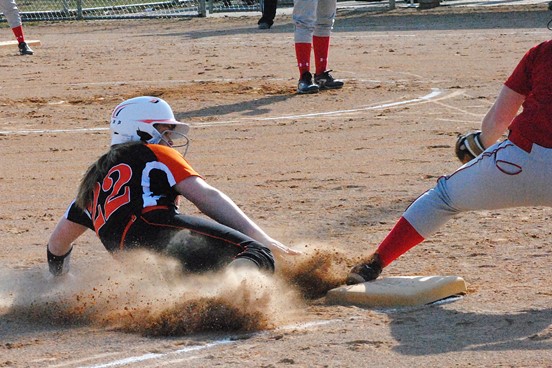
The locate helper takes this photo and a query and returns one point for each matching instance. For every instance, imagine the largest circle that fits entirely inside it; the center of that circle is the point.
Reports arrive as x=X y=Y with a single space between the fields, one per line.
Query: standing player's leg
x=268 y=14
x=325 y=17
x=304 y=18
x=11 y=12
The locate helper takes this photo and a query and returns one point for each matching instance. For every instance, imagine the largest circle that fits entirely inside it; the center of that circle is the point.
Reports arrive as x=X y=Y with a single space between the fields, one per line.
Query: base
x=15 y=43
x=399 y=291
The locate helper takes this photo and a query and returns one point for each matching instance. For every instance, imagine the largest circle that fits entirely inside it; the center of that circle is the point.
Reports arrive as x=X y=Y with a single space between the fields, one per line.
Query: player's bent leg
x=504 y=176
x=259 y=255
x=204 y=245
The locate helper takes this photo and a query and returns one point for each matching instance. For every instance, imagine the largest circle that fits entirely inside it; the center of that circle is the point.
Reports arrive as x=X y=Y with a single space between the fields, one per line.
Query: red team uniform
x=533 y=79
x=513 y=173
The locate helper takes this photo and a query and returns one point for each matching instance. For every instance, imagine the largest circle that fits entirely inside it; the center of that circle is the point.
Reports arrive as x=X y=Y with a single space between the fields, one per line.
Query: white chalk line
x=210 y=80
x=154 y=356
x=50 y=131
x=79 y=361
x=459 y=121
x=463 y=111
x=431 y=97
x=150 y=356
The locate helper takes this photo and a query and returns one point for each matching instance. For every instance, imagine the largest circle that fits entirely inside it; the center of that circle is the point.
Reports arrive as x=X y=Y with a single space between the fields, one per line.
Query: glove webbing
x=473 y=144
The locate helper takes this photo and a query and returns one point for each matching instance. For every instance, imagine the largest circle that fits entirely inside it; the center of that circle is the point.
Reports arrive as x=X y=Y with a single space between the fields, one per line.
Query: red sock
x=18 y=32
x=321 y=46
x=303 y=53
x=399 y=240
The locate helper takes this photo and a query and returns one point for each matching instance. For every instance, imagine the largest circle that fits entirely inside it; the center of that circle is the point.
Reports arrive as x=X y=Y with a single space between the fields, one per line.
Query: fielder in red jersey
x=513 y=173
x=533 y=78
x=129 y=198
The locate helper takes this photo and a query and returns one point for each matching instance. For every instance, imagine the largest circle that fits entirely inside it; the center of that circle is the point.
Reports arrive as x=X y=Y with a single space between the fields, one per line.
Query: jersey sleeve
x=177 y=164
x=520 y=79
x=76 y=215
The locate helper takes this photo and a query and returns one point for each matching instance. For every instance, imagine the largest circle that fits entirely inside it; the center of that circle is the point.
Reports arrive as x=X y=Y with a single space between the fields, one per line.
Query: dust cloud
x=149 y=294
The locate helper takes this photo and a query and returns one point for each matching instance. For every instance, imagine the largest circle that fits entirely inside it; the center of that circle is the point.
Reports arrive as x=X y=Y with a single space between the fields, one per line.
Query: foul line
x=49 y=131
x=150 y=356
x=435 y=92
x=432 y=96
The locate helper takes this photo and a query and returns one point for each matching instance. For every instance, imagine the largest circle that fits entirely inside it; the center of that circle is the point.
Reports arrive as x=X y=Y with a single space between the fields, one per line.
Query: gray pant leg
x=504 y=176
x=325 y=16
x=10 y=11
x=304 y=18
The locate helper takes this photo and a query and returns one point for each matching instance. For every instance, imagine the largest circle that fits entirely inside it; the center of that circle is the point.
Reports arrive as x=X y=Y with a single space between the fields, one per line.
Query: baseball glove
x=468 y=146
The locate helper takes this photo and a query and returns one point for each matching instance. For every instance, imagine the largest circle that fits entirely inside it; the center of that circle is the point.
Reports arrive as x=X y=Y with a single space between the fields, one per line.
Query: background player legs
x=269 y=13
x=325 y=17
x=11 y=12
x=304 y=18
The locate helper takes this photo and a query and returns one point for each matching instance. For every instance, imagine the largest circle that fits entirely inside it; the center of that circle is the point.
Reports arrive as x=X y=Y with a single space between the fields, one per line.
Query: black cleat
x=365 y=272
x=24 y=49
x=264 y=25
x=306 y=85
x=326 y=81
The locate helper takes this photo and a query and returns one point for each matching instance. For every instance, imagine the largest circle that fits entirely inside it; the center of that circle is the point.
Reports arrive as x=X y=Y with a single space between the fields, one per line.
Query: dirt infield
x=327 y=173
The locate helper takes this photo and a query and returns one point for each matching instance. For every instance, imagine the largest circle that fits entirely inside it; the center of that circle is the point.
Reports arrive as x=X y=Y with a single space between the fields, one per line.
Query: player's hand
x=278 y=248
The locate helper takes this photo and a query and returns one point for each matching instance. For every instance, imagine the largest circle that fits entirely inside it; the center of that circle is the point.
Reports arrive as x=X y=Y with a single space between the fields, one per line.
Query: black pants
x=269 y=12
x=200 y=244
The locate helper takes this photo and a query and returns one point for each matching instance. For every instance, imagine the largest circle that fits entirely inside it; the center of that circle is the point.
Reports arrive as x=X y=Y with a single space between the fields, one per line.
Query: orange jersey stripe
x=174 y=160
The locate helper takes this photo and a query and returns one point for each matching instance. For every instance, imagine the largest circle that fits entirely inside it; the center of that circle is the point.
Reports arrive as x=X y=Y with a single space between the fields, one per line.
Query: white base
x=399 y=291
x=15 y=43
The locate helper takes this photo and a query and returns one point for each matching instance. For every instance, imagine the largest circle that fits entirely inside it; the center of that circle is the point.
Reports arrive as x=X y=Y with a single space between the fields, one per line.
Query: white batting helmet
x=135 y=119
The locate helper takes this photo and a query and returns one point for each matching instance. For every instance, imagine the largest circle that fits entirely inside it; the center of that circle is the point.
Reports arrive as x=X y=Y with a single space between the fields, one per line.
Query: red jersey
x=533 y=78
x=140 y=177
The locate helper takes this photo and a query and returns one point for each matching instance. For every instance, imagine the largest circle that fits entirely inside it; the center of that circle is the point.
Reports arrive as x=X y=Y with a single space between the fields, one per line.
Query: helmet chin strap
x=156 y=140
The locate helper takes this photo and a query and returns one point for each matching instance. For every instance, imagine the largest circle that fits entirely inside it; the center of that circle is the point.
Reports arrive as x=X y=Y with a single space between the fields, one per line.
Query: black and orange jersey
x=141 y=177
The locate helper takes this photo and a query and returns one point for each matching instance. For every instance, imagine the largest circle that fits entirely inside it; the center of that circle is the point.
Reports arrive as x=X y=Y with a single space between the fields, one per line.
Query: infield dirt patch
x=327 y=173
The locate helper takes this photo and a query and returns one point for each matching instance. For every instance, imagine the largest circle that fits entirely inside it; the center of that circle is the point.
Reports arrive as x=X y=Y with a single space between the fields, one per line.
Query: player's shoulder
x=161 y=148
x=165 y=152
x=543 y=47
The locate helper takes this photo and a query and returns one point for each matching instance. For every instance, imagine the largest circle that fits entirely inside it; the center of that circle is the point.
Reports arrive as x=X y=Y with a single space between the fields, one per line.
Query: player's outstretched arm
x=60 y=245
x=218 y=206
x=494 y=125
x=500 y=115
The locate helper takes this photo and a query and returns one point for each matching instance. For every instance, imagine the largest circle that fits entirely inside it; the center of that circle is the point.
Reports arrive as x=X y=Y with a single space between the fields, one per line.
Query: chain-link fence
x=34 y=10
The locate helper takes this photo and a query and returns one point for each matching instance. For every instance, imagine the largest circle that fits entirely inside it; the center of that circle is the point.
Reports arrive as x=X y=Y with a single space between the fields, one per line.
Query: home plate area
x=398 y=291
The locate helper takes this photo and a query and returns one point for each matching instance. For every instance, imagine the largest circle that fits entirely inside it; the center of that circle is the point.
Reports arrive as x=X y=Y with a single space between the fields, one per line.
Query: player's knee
x=260 y=255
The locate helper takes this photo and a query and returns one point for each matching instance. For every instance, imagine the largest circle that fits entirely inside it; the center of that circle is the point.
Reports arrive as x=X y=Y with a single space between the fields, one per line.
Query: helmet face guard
x=134 y=120
x=170 y=135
